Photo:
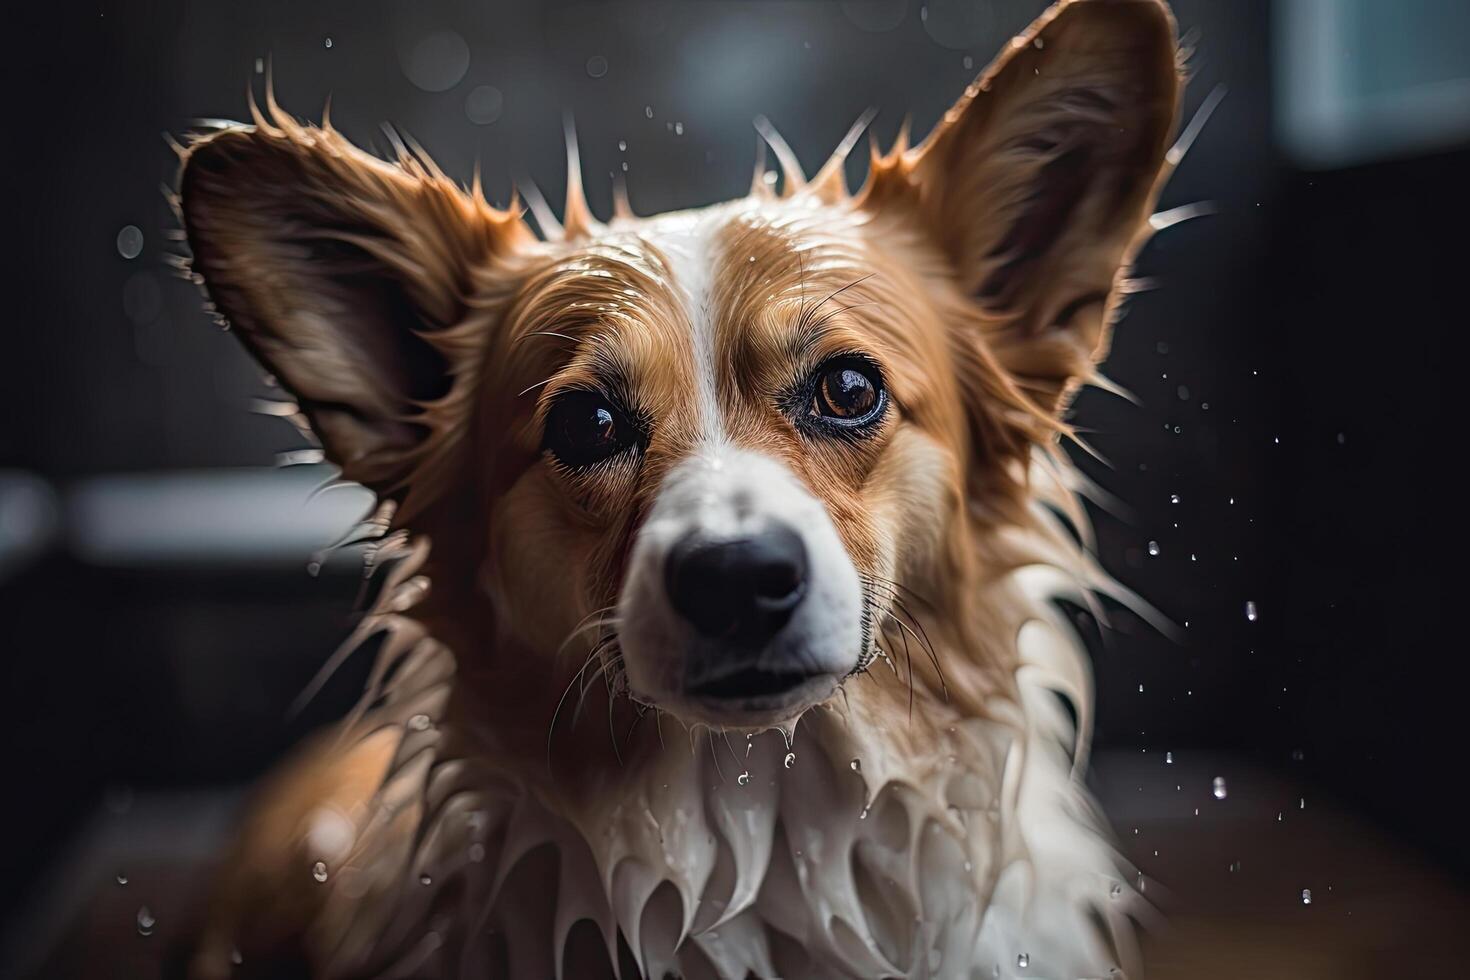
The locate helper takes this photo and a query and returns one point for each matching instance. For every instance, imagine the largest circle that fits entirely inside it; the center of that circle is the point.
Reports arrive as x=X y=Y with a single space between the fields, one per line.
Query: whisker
x=715 y=755
x=612 y=732
x=544 y=333
x=805 y=323
x=828 y=318
x=551 y=729
x=586 y=686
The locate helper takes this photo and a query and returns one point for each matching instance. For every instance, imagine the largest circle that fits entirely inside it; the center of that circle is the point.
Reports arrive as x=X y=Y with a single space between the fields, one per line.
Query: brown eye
x=848 y=392
x=584 y=428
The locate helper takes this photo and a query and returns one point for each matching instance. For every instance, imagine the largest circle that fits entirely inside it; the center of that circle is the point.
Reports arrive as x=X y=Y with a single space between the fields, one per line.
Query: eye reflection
x=848 y=392
x=584 y=428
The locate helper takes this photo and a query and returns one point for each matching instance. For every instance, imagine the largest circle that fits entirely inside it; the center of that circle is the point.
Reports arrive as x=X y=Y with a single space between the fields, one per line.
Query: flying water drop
x=130 y=242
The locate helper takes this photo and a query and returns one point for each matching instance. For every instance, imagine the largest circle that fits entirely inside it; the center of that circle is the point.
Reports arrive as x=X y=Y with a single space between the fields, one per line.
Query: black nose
x=742 y=590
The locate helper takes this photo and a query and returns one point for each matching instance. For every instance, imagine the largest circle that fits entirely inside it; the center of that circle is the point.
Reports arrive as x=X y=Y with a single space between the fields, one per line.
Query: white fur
x=716 y=859
x=686 y=239
x=723 y=493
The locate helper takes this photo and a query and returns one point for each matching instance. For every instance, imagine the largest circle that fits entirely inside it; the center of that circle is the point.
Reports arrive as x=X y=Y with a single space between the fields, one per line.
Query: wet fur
x=498 y=784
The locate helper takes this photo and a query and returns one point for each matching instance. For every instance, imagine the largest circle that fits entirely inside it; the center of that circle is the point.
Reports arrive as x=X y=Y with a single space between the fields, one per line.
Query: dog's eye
x=849 y=392
x=584 y=428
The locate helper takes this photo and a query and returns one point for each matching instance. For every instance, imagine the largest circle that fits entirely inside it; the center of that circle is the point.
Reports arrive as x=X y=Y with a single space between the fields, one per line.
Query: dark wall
x=1291 y=364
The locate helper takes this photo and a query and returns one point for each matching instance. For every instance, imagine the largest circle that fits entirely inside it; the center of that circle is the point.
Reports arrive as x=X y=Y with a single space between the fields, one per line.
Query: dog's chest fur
x=843 y=852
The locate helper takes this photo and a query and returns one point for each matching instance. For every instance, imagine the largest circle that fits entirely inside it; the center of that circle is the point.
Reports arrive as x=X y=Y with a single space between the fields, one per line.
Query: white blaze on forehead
x=688 y=240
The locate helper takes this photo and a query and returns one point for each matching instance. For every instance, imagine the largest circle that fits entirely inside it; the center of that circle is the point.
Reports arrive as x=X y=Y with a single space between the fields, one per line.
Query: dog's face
x=727 y=436
x=732 y=444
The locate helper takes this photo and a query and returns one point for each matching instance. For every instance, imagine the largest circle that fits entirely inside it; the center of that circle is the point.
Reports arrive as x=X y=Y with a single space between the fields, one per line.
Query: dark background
x=1296 y=367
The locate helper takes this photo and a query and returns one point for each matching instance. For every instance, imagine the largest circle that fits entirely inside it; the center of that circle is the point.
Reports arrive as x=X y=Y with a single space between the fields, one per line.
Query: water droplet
x=327 y=42
x=596 y=66
x=856 y=765
x=319 y=871
x=1153 y=549
x=969 y=866
x=146 y=921
x=437 y=61
x=122 y=879
x=1142 y=882
x=235 y=956
x=1250 y=611
x=1219 y=789
x=743 y=779
x=1116 y=891
x=1183 y=392
x=484 y=104
x=313 y=568
x=678 y=129
x=425 y=880
x=420 y=723
x=648 y=111
x=130 y=242
x=1306 y=896
x=259 y=66
x=1234 y=866
x=790 y=759
x=1303 y=803
x=1023 y=960
x=1168 y=758
x=864 y=815
x=968 y=62
x=623 y=146
x=1173 y=498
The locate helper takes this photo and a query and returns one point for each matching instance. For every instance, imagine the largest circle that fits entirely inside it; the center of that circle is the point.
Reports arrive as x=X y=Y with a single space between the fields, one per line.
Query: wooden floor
x=1227 y=883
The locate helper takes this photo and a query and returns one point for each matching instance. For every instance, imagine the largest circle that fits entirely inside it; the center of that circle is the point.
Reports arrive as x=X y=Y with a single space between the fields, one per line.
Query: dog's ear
x=340 y=271
x=1037 y=185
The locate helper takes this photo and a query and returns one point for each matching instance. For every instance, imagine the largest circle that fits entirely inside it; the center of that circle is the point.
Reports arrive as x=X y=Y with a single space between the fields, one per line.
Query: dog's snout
x=741 y=589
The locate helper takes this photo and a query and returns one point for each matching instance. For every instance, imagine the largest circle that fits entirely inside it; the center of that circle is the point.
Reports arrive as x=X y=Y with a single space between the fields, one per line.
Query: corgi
x=718 y=549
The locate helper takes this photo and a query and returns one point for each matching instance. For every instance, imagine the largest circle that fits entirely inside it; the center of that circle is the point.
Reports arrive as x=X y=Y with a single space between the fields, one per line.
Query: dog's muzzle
x=738 y=594
x=740 y=605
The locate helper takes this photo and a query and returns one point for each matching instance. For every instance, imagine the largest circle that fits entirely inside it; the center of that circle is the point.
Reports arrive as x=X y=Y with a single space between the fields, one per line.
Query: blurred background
x=1293 y=768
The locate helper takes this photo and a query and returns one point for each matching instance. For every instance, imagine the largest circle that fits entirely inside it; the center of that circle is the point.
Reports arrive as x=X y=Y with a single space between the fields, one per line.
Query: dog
x=718 y=549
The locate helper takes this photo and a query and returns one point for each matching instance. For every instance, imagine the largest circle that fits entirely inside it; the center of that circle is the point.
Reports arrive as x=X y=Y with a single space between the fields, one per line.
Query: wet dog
x=743 y=526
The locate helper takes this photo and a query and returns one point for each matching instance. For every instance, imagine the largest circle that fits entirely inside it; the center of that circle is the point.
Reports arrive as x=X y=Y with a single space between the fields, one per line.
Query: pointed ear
x=339 y=271
x=1038 y=183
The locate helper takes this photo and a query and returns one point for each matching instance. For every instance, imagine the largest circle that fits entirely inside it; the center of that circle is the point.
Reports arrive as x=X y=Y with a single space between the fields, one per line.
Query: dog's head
x=733 y=434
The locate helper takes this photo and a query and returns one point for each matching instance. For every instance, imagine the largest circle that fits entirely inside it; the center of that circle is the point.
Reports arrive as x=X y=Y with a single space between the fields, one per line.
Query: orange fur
x=979 y=270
